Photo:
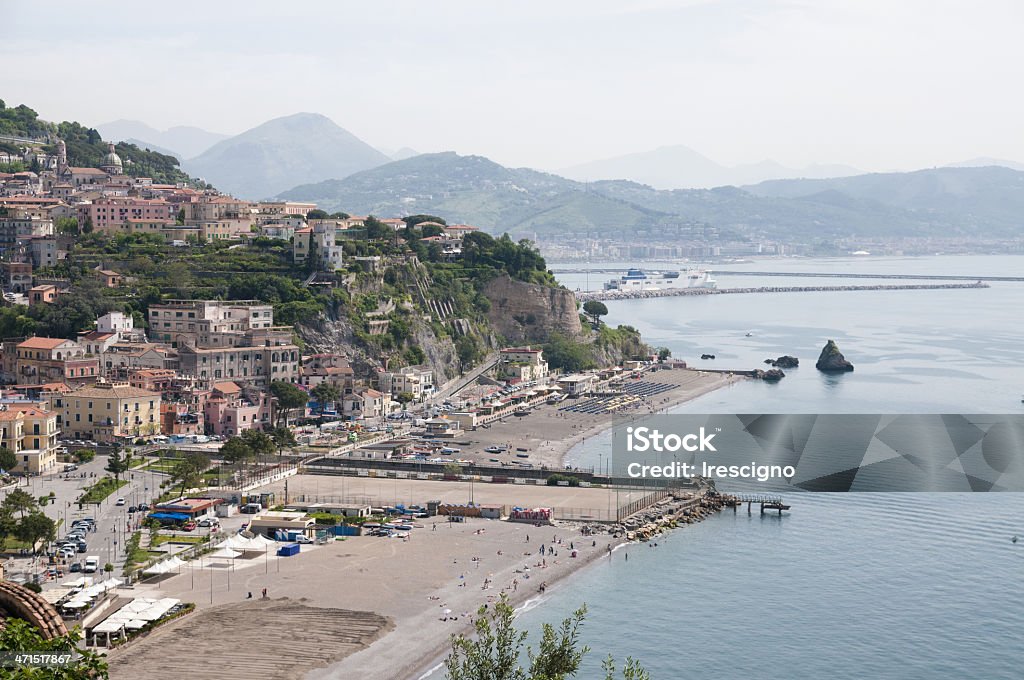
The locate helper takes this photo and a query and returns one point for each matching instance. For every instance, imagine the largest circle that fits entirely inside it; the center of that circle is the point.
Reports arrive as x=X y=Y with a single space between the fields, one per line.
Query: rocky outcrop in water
x=785 y=361
x=771 y=375
x=832 y=360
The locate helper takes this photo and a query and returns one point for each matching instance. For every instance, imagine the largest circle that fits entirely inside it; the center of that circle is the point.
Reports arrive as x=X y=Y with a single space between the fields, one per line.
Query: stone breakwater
x=686 y=292
x=669 y=513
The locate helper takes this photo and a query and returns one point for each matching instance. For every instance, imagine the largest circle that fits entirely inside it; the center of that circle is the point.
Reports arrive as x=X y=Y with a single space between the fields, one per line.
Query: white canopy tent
x=134 y=615
x=164 y=567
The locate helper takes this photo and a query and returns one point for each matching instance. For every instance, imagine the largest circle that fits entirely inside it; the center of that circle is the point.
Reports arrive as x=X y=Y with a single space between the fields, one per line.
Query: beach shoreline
x=549 y=433
x=429 y=586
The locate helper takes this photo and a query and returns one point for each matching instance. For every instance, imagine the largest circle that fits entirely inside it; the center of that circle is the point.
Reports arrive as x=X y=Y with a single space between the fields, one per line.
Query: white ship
x=636 y=280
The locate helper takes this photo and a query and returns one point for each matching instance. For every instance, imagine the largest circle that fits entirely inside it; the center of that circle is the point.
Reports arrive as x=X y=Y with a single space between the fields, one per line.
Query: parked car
x=70 y=467
x=189 y=526
x=120 y=501
x=302 y=538
x=82 y=546
x=209 y=522
x=143 y=507
x=132 y=509
x=76 y=566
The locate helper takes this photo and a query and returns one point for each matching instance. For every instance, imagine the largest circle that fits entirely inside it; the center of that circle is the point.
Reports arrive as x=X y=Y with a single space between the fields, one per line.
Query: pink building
x=110 y=214
x=229 y=413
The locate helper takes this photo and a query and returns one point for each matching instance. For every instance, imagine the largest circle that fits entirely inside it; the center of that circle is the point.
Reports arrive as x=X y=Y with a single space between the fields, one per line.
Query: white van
x=92 y=564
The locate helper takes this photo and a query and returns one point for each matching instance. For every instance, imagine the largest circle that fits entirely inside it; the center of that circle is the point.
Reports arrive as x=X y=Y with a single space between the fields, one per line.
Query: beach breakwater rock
x=832 y=360
x=669 y=513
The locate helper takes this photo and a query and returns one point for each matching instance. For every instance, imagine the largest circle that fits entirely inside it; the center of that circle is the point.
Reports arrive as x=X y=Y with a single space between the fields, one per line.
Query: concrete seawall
x=685 y=292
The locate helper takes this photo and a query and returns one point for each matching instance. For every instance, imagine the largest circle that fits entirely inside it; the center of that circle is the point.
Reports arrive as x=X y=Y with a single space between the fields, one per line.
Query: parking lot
x=112 y=523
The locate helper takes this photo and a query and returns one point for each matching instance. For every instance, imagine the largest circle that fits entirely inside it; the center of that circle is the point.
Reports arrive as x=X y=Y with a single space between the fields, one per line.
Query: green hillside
x=86 y=148
x=948 y=202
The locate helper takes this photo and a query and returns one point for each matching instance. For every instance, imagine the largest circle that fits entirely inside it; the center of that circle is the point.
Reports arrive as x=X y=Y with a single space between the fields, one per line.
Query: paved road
x=113 y=523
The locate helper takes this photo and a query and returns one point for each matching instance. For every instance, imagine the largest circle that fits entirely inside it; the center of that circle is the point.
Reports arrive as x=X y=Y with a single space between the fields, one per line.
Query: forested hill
x=86 y=147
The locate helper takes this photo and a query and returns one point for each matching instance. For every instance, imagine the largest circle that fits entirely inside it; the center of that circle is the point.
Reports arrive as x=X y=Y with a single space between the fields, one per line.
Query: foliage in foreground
x=495 y=652
x=21 y=636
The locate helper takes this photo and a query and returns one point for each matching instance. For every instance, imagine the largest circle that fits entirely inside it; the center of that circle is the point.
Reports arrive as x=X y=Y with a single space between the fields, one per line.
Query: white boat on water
x=638 y=280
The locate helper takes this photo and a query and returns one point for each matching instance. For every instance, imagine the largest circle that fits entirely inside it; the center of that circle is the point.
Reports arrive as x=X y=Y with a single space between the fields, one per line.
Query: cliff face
x=336 y=335
x=526 y=312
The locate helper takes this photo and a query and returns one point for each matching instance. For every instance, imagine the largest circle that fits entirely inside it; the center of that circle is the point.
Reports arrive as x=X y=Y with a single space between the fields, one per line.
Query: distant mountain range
x=986 y=161
x=937 y=202
x=182 y=141
x=400 y=154
x=281 y=153
x=680 y=167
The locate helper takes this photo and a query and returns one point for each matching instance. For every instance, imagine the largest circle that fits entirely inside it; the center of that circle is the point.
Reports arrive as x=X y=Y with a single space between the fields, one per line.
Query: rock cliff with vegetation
x=530 y=312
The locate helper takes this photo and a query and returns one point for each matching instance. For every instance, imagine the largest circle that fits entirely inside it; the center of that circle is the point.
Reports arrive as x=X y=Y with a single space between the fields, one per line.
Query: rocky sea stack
x=786 y=361
x=771 y=375
x=832 y=360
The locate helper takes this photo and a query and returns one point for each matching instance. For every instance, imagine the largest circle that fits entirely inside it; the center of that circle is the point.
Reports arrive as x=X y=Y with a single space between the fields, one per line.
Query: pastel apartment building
x=30 y=433
x=207 y=323
x=231 y=410
x=112 y=214
x=416 y=380
x=257 y=365
x=109 y=412
x=522 y=364
x=329 y=368
x=47 y=360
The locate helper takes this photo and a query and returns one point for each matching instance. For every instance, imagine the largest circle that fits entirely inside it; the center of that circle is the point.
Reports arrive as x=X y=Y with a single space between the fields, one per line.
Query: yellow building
x=31 y=434
x=109 y=412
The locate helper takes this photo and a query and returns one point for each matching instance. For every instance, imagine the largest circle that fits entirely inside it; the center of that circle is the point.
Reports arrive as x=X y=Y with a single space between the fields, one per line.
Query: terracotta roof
x=42 y=343
x=227 y=387
x=29 y=410
x=95 y=335
x=116 y=391
x=55 y=387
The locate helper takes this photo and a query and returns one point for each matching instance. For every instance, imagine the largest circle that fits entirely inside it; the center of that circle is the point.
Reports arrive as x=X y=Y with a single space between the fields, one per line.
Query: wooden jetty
x=767 y=502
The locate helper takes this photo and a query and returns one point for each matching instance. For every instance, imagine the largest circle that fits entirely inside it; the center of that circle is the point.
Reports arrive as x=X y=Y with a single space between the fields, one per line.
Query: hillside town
x=193 y=367
x=153 y=433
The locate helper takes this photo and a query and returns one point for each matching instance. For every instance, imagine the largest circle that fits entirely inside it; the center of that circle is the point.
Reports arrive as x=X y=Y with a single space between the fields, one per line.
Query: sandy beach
x=393 y=604
x=383 y=584
x=548 y=433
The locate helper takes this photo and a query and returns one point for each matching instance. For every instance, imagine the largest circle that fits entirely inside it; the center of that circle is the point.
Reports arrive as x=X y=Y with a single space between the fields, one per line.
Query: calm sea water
x=845 y=585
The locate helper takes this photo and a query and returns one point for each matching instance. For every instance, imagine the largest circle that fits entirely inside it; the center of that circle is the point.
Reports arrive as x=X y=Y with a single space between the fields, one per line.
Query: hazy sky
x=879 y=84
